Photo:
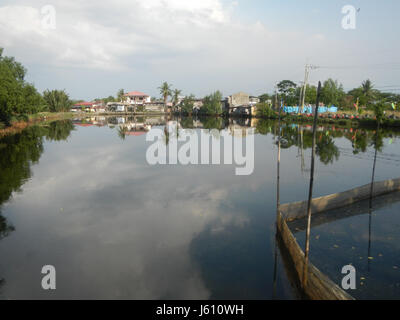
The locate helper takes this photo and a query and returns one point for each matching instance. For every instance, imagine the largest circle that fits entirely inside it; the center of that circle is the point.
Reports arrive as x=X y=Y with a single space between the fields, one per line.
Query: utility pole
x=307 y=70
x=300 y=98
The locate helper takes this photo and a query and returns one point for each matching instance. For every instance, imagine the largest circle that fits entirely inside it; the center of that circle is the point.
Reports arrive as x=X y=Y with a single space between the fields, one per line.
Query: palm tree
x=120 y=95
x=175 y=96
x=57 y=100
x=368 y=90
x=165 y=91
x=122 y=132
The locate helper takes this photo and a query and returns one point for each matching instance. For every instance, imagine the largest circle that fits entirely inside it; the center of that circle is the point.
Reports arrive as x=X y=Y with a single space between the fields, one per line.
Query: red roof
x=83 y=124
x=83 y=104
x=135 y=133
x=136 y=94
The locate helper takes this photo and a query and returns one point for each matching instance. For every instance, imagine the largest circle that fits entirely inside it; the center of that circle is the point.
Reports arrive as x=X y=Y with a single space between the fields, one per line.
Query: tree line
x=332 y=93
x=19 y=98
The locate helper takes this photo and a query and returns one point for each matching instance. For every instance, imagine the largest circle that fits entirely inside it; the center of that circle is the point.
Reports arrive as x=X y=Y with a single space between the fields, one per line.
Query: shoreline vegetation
x=342 y=119
x=20 y=124
x=21 y=104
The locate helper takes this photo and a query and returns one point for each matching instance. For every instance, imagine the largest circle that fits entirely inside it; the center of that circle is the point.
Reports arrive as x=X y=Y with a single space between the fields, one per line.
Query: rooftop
x=136 y=94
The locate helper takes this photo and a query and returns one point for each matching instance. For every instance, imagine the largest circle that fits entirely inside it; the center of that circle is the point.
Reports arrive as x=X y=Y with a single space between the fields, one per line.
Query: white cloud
x=199 y=46
x=93 y=34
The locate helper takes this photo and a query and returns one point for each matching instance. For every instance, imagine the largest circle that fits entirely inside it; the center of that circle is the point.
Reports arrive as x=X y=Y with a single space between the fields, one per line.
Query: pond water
x=368 y=239
x=81 y=196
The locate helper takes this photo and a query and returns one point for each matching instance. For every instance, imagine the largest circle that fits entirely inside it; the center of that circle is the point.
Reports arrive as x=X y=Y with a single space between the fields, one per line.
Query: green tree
x=187 y=104
x=311 y=94
x=33 y=100
x=332 y=92
x=165 y=91
x=265 y=97
x=121 y=95
x=378 y=109
x=57 y=100
x=264 y=110
x=368 y=91
x=287 y=92
x=175 y=96
x=16 y=95
x=212 y=104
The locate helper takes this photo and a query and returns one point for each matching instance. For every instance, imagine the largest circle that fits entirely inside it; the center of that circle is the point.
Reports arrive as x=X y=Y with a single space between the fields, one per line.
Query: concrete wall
x=239 y=99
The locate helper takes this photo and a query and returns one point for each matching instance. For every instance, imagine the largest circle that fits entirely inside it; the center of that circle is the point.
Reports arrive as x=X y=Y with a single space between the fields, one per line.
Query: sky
x=98 y=47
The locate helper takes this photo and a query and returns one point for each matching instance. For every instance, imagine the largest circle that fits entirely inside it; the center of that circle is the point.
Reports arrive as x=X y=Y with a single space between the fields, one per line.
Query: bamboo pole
x=310 y=192
x=277 y=203
x=371 y=196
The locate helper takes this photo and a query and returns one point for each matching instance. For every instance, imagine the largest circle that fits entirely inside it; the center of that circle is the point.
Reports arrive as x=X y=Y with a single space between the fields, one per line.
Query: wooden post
x=279 y=163
x=371 y=196
x=278 y=203
x=310 y=192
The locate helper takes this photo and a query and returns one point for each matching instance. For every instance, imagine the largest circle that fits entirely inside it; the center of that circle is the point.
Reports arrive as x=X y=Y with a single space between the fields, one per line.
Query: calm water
x=81 y=196
x=367 y=239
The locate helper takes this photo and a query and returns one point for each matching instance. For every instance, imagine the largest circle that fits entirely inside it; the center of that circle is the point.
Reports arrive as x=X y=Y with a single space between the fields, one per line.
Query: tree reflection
x=299 y=135
x=59 y=130
x=326 y=150
x=18 y=153
x=359 y=142
x=212 y=123
x=5 y=228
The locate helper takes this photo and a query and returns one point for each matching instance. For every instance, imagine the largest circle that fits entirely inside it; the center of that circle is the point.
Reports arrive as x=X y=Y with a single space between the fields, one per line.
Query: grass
x=20 y=122
x=367 y=119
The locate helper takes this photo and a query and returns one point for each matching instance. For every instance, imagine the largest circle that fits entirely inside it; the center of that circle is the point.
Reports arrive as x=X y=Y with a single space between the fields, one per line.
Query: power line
x=379 y=65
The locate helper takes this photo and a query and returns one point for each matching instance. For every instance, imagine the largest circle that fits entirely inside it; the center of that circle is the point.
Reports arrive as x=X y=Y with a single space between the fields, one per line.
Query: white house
x=99 y=106
x=137 y=98
x=116 y=106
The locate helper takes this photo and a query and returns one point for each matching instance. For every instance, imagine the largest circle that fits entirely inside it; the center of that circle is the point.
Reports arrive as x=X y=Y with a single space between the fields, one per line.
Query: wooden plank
x=318 y=285
x=298 y=210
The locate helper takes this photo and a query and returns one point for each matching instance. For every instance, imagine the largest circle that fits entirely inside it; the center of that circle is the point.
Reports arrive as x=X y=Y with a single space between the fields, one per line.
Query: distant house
x=99 y=106
x=82 y=106
x=238 y=100
x=197 y=104
x=137 y=98
x=254 y=100
x=117 y=106
x=241 y=103
x=157 y=107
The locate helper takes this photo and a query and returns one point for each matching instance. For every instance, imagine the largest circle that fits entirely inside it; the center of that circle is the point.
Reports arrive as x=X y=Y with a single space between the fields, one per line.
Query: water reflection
x=292 y=134
x=18 y=153
x=116 y=227
x=329 y=227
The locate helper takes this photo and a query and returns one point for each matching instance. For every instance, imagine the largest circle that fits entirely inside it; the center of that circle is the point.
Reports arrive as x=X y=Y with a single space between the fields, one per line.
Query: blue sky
x=200 y=46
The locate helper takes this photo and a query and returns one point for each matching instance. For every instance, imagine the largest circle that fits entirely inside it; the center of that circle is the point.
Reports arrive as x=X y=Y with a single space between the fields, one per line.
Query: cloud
x=95 y=34
x=125 y=228
x=199 y=46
